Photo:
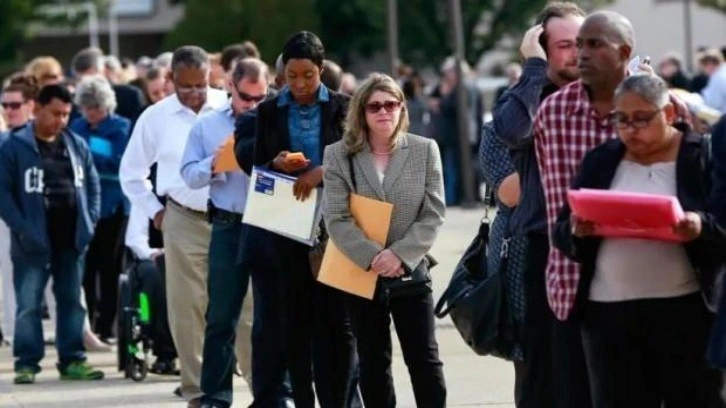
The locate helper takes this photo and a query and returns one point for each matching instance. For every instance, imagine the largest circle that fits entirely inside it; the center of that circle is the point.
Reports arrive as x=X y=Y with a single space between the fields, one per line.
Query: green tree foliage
x=213 y=24
x=16 y=17
x=719 y=5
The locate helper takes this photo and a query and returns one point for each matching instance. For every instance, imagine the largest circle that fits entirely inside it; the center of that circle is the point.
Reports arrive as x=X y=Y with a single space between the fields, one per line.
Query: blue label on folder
x=265 y=184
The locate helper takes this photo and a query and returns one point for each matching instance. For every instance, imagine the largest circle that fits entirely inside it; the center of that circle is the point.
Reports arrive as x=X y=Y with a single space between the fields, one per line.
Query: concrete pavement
x=472 y=381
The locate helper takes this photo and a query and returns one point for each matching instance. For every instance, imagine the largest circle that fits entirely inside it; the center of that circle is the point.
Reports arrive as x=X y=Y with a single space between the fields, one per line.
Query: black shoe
x=164 y=367
x=177 y=392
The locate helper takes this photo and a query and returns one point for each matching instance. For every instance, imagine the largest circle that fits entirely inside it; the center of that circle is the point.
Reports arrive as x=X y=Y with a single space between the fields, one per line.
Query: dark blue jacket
x=22 y=202
x=718 y=157
x=107 y=143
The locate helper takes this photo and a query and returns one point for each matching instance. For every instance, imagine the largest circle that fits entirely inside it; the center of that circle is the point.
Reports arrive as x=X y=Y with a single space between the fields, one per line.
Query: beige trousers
x=186 y=246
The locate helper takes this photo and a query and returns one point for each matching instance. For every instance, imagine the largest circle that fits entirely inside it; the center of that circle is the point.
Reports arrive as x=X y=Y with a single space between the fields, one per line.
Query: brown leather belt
x=196 y=213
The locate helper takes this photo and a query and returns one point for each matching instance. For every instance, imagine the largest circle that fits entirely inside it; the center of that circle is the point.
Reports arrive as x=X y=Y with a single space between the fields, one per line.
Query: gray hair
x=112 y=63
x=164 y=59
x=650 y=87
x=189 y=56
x=95 y=91
x=252 y=69
x=86 y=60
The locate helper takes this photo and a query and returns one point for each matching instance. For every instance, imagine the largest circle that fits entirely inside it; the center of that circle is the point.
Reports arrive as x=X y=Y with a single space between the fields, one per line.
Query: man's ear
x=670 y=113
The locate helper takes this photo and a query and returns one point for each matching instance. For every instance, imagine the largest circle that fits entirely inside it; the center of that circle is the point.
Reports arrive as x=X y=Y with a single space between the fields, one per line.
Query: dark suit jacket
x=692 y=183
x=262 y=249
x=130 y=100
x=271 y=131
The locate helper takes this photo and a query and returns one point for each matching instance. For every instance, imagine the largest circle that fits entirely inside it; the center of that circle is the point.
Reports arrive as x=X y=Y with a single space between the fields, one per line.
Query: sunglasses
x=11 y=105
x=250 y=98
x=389 y=106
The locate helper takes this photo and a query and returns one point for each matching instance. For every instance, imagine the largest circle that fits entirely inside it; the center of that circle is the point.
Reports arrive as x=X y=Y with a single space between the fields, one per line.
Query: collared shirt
x=565 y=129
x=513 y=118
x=714 y=94
x=228 y=190
x=160 y=136
x=304 y=124
x=137 y=234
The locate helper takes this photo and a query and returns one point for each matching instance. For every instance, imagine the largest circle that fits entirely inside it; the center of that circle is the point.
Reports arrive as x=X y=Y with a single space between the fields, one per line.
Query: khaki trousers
x=186 y=246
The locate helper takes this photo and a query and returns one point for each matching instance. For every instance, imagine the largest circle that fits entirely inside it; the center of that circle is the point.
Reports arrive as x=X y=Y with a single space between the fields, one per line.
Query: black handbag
x=414 y=282
x=477 y=302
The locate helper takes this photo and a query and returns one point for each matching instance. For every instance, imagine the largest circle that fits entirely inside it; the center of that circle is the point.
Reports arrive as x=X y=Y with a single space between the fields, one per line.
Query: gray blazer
x=413 y=183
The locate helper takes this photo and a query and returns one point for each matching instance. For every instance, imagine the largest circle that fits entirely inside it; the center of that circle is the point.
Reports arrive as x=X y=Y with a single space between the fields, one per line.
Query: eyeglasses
x=621 y=120
x=250 y=98
x=389 y=106
x=191 y=89
x=11 y=105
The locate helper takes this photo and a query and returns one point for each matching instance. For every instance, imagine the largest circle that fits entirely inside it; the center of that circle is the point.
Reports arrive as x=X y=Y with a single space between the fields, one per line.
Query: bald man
x=605 y=42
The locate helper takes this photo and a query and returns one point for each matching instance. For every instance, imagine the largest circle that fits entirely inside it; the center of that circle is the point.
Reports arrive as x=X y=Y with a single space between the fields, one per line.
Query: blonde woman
x=378 y=159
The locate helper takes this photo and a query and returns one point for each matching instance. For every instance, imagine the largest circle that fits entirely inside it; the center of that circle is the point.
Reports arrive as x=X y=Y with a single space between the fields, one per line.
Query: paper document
x=374 y=218
x=226 y=160
x=272 y=206
x=628 y=215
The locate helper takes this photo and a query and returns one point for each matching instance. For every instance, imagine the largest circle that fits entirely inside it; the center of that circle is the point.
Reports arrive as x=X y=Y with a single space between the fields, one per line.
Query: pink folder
x=628 y=215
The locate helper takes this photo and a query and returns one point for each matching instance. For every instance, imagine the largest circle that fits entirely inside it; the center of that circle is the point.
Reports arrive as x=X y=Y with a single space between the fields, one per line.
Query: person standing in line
x=159 y=137
x=50 y=200
x=550 y=53
x=107 y=135
x=228 y=280
x=292 y=310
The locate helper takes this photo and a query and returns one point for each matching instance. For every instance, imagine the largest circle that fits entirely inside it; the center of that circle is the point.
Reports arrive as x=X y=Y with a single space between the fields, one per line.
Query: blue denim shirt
x=513 y=117
x=303 y=122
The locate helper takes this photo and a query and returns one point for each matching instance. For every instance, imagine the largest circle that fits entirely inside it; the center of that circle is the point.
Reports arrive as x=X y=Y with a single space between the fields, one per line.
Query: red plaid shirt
x=565 y=129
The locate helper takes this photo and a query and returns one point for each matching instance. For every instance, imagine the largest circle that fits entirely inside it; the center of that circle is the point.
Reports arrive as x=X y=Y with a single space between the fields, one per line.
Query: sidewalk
x=472 y=381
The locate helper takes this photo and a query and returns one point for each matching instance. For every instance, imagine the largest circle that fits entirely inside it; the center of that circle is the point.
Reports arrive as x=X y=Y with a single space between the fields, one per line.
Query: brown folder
x=374 y=218
x=226 y=161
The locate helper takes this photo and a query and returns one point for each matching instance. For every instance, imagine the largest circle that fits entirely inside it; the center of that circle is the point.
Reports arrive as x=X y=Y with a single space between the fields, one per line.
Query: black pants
x=149 y=277
x=103 y=267
x=650 y=353
x=302 y=326
x=414 y=320
x=553 y=373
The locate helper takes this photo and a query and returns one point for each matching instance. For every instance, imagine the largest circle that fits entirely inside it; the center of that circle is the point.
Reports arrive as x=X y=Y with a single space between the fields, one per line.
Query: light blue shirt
x=228 y=190
x=304 y=124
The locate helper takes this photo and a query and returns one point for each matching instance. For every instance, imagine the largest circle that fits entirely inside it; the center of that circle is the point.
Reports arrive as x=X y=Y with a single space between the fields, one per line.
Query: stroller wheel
x=137 y=370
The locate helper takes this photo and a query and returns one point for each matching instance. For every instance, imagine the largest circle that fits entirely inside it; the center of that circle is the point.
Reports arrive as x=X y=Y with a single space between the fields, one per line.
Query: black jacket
x=693 y=187
x=272 y=134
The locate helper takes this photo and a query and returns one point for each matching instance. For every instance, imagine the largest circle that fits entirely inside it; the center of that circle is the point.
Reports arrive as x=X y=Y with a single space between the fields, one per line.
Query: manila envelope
x=374 y=218
x=226 y=160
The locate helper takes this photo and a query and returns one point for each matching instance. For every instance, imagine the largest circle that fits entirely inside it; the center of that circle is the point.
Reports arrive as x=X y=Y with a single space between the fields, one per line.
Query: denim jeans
x=452 y=175
x=66 y=268
x=227 y=286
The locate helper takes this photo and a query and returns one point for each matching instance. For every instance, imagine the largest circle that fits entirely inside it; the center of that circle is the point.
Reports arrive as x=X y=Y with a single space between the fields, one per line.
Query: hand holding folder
x=374 y=218
x=226 y=160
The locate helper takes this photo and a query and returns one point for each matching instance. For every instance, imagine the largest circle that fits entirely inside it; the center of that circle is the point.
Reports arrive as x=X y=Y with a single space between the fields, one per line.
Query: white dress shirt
x=159 y=137
x=137 y=234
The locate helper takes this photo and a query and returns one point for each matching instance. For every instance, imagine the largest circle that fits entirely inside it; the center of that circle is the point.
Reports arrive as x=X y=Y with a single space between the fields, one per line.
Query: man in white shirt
x=159 y=137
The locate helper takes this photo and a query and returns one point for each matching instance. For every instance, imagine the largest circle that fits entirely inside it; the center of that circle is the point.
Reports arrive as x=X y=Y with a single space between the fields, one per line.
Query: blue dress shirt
x=304 y=124
x=228 y=190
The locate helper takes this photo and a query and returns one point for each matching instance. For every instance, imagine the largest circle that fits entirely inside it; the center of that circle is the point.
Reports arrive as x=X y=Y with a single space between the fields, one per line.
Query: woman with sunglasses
x=378 y=159
x=644 y=322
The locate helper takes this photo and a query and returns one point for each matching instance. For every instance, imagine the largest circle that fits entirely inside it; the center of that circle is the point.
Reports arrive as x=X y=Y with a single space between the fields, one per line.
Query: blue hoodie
x=107 y=143
x=22 y=202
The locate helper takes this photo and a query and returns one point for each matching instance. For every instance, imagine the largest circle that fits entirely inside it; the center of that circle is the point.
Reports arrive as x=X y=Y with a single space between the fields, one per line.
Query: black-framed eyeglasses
x=250 y=98
x=389 y=106
x=642 y=121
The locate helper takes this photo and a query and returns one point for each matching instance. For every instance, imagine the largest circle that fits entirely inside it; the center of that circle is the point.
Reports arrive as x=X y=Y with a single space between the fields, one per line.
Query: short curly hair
x=94 y=91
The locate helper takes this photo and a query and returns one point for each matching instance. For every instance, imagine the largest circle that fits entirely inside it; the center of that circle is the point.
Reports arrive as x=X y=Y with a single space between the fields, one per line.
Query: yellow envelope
x=374 y=218
x=226 y=160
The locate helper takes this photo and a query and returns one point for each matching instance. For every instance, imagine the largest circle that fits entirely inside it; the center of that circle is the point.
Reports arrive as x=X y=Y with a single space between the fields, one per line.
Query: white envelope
x=272 y=206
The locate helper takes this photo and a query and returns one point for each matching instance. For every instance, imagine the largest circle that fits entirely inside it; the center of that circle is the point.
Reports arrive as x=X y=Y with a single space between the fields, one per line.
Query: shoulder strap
x=352 y=173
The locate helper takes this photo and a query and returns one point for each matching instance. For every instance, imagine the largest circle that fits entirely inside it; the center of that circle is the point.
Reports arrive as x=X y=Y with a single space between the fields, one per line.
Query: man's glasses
x=11 y=105
x=250 y=98
x=389 y=106
x=642 y=121
x=186 y=90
